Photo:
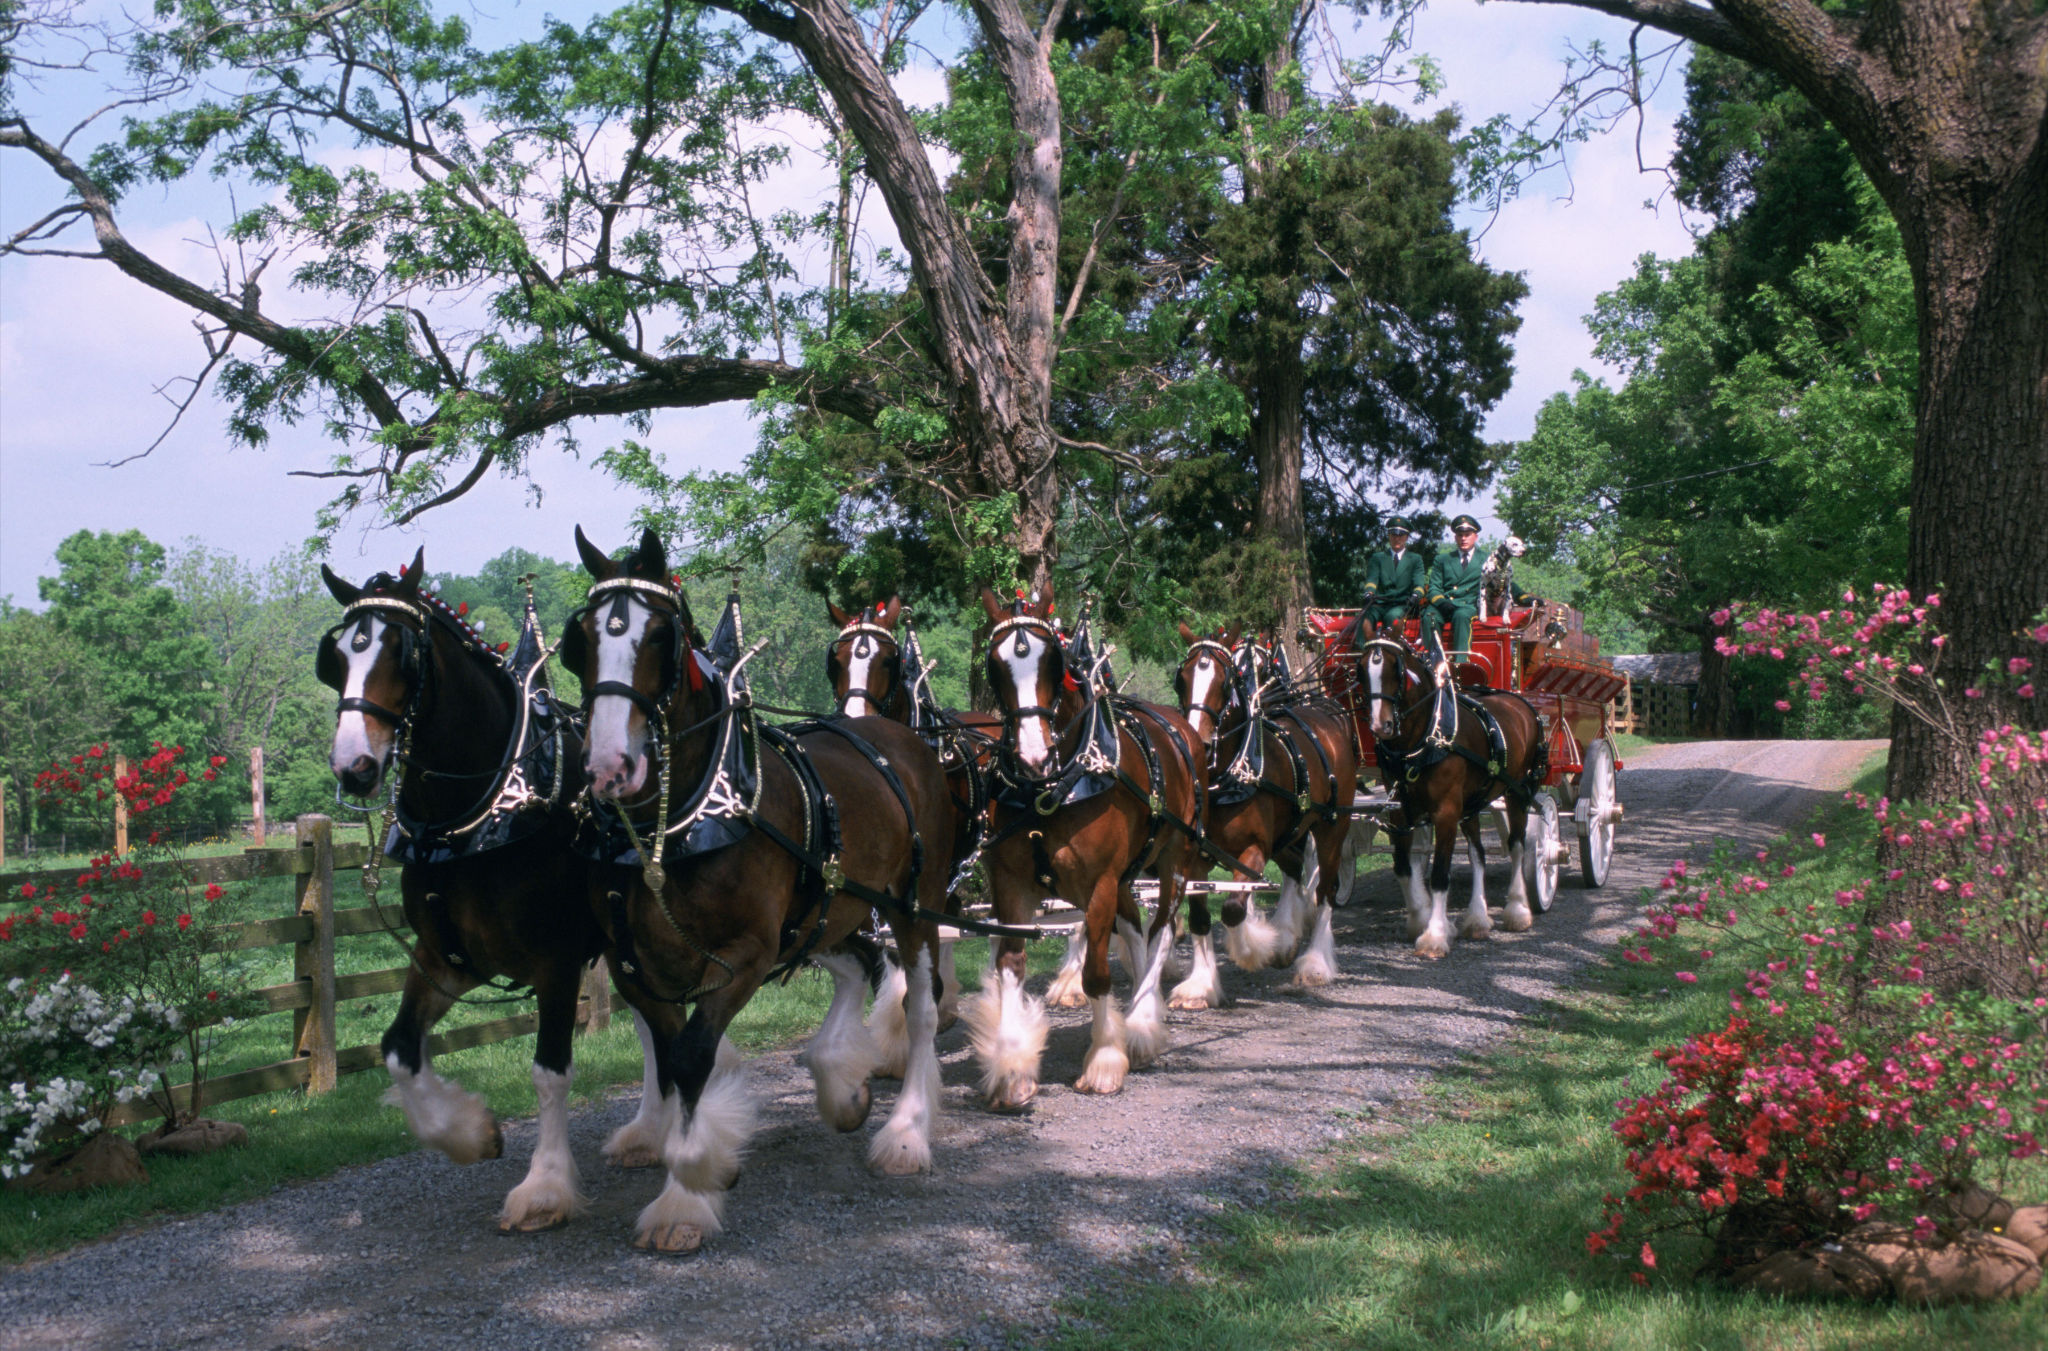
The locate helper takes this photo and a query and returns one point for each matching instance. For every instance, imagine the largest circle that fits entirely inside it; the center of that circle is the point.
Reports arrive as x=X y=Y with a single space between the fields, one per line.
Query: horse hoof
x=1013 y=1096
x=1190 y=1003
x=538 y=1222
x=677 y=1239
x=1473 y=932
x=634 y=1156
x=1517 y=923
x=1433 y=948
x=1066 y=999
x=947 y=1018
x=1104 y=1072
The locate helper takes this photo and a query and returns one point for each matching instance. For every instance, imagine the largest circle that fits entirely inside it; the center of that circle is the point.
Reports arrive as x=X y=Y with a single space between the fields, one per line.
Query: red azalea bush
x=121 y=935
x=1887 y=1044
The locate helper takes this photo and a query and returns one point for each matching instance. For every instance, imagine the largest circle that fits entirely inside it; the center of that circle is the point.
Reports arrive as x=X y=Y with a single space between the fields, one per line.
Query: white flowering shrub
x=68 y=1056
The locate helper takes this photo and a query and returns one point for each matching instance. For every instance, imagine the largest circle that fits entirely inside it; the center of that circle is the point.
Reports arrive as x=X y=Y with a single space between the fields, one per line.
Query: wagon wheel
x=1541 y=850
x=1595 y=812
x=1357 y=843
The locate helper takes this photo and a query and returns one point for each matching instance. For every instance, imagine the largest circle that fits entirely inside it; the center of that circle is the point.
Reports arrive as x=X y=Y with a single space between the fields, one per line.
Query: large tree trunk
x=1714 y=716
x=1980 y=456
x=1278 y=529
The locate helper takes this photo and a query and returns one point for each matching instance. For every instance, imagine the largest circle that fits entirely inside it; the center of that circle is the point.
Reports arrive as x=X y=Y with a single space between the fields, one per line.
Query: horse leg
x=1145 y=1033
x=1006 y=1026
x=1411 y=883
x=949 y=987
x=904 y=1145
x=1175 y=969
x=1517 y=915
x=1478 y=923
x=1108 y=1060
x=703 y=1072
x=1203 y=988
x=886 y=1022
x=638 y=1143
x=442 y=1115
x=1252 y=943
x=1436 y=936
x=842 y=1054
x=1065 y=990
x=1290 y=914
x=1318 y=962
x=551 y=1193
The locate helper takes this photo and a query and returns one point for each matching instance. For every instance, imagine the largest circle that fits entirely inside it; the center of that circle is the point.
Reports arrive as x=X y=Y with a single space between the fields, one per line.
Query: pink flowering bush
x=1870 y=1064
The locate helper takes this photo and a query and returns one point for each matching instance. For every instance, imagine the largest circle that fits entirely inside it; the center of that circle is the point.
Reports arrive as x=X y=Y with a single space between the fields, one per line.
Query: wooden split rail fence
x=314 y=992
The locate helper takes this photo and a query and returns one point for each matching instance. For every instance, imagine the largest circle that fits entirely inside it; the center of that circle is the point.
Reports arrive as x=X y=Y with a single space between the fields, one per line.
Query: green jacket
x=1384 y=577
x=1455 y=582
x=1459 y=583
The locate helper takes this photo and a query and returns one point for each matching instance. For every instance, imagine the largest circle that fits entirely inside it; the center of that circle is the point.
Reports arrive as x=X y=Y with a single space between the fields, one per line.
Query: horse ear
x=889 y=613
x=839 y=616
x=1044 y=607
x=995 y=608
x=1187 y=635
x=651 y=557
x=409 y=581
x=345 y=591
x=596 y=561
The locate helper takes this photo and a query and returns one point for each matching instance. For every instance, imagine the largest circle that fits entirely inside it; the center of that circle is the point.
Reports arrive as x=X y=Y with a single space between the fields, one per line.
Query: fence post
x=313 y=959
x=594 y=1000
x=120 y=808
x=256 y=790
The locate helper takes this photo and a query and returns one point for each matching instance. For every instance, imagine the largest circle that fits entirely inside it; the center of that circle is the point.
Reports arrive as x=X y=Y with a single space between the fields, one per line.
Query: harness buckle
x=833 y=875
x=1047 y=802
x=1303 y=801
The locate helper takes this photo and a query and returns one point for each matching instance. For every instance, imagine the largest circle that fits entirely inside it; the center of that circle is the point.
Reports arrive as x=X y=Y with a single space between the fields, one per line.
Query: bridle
x=862 y=631
x=1397 y=656
x=413 y=661
x=1222 y=657
x=1021 y=625
x=662 y=600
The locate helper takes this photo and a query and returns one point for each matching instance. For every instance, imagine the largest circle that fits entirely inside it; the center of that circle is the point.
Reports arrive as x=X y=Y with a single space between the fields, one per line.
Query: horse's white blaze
x=1145 y=1036
x=355 y=735
x=638 y=1143
x=1034 y=732
x=1376 y=681
x=1065 y=990
x=551 y=1192
x=1207 y=672
x=1203 y=989
x=1007 y=1028
x=1107 y=1062
x=886 y=1025
x=617 y=763
x=904 y=1146
x=842 y=1054
x=1477 y=922
x=442 y=1115
x=858 y=663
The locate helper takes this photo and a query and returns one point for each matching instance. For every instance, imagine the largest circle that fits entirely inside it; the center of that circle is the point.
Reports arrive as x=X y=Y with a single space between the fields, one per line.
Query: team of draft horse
x=667 y=828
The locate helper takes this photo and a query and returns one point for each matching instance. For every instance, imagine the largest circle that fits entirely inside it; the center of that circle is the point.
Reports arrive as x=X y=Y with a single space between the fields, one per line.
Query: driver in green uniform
x=1394 y=578
x=1454 y=584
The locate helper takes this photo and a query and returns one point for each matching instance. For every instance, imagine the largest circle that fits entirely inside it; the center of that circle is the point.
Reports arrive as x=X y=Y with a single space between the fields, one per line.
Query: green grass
x=1459 y=1220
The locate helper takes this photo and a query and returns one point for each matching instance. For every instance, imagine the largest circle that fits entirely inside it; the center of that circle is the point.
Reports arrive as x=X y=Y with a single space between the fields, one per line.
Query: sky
x=83 y=349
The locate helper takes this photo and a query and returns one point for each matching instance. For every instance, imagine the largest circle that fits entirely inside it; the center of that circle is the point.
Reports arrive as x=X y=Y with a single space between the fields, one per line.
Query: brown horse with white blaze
x=1437 y=753
x=1282 y=777
x=1085 y=803
x=787 y=843
x=491 y=887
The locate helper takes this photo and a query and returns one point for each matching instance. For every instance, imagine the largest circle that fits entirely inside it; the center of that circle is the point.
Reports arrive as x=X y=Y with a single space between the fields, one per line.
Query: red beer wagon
x=1544 y=654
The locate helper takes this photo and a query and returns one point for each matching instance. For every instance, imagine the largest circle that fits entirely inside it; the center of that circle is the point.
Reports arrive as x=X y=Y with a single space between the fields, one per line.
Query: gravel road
x=1019 y=1211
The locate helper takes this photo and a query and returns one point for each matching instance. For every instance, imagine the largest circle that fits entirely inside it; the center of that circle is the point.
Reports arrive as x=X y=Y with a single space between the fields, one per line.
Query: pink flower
x=2018 y=666
x=2025 y=691
x=1820 y=841
x=1686 y=977
x=1784 y=706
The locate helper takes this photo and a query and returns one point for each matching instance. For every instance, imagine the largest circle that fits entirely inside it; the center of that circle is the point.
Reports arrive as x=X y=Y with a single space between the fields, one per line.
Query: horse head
x=634 y=646
x=865 y=662
x=1027 y=671
x=1203 y=681
x=376 y=660
x=1389 y=675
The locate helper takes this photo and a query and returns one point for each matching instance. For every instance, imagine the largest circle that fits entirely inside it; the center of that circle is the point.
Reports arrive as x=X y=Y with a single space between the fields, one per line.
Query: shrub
x=1871 y=1062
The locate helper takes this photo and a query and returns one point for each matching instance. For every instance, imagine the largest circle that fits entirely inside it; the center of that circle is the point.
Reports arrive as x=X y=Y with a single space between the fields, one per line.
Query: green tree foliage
x=51 y=704
x=1720 y=472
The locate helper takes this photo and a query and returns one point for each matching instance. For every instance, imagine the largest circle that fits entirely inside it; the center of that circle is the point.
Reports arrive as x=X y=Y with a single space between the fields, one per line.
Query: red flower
x=214 y=891
x=184 y=921
x=28 y=889
x=216 y=760
x=78 y=930
x=213 y=994
x=149 y=917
